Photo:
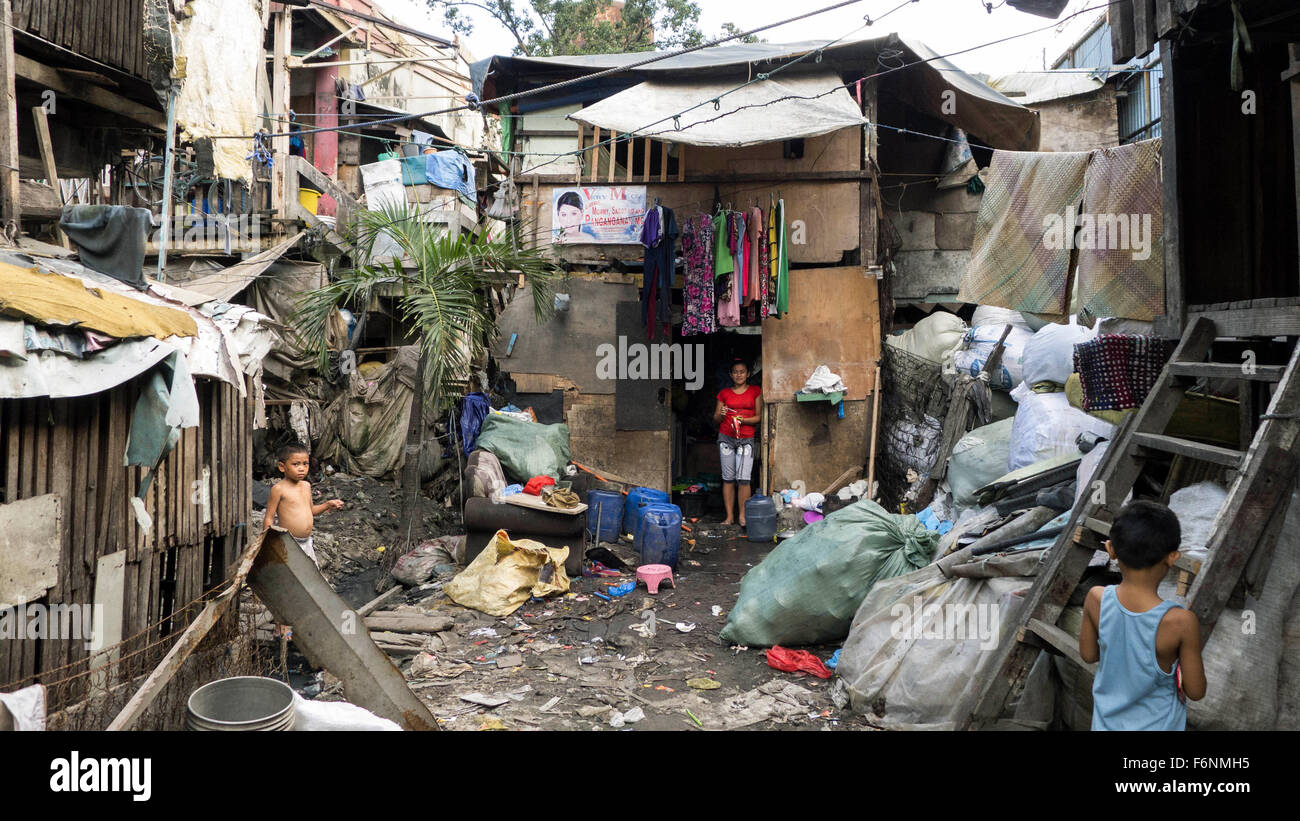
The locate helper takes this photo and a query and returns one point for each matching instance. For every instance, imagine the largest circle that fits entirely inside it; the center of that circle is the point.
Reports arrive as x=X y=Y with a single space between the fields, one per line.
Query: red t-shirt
x=738 y=404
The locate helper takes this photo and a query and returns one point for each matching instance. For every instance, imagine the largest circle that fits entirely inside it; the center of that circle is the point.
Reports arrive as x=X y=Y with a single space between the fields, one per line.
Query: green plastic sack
x=525 y=449
x=807 y=590
x=978 y=458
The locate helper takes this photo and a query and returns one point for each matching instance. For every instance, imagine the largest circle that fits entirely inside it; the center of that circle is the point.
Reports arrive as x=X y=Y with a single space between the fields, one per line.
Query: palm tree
x=444 y=282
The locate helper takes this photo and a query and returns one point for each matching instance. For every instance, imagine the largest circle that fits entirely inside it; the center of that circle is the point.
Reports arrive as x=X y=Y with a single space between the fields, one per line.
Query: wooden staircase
x=1240 y=544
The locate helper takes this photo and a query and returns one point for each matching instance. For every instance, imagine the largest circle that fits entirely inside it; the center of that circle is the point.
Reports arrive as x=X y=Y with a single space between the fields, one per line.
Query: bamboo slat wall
x=110 y=31
x=75 y=447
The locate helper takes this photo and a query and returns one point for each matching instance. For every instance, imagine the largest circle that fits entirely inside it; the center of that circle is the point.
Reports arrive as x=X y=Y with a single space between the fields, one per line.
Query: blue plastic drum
x=659 y=534
x=637 y=499
x=604 y=514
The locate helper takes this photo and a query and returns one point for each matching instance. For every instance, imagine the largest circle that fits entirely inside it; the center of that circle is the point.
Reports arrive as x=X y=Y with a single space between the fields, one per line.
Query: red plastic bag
x=535 y=485
x=796 y=661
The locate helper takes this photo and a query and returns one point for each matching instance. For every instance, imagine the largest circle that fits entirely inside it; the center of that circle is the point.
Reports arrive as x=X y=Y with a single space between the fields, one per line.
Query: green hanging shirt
x=722 y=261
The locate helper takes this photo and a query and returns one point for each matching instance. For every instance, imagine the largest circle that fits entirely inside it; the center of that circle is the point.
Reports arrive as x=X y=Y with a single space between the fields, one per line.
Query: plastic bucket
x=604 y=514
x=241 y=704
x=637 y=499
x=309 y=198
x=760 y=519
x=659 y=534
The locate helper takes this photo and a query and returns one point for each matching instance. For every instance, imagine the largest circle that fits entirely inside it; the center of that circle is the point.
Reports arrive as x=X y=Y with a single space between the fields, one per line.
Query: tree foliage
x=544 y=28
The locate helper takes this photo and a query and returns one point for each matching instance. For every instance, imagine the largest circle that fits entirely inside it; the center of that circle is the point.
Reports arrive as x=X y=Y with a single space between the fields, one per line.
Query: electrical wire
x=658 y=57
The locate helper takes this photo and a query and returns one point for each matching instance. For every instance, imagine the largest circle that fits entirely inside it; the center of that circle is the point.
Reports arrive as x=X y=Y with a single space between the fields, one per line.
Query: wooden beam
x=645 y=169
x=281 y=34
x=77 y=89
x=613 y=155
x=1171 y=324
x=681 y=162
x=663 y=162
x=727 y=177
x=1121 y=31
x=1293 y=49
x=595 y=153
x=47 y=159
x=10 y=209
x=1144 y=27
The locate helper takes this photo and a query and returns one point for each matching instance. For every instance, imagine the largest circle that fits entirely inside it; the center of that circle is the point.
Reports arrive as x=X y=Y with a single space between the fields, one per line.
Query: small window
x=792 y=149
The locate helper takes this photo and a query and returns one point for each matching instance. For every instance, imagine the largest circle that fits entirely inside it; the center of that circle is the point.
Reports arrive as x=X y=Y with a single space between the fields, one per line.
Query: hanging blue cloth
x=472 y=413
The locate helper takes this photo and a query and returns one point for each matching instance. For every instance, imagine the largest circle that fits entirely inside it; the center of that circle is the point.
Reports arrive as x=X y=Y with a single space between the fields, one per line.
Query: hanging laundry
x=699 y=314
x=722 y=261
x=657 y=269
x=757 y=266
x=1016 y=262
x=1121 y=256
x=782 y=259
x=773 y=257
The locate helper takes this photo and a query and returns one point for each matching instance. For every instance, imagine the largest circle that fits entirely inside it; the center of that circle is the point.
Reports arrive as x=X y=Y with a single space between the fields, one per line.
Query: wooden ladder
x=1250 y=517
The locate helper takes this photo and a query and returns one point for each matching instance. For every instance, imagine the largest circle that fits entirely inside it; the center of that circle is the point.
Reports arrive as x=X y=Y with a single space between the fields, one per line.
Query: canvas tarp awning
x=786 y=107
x=222 y=285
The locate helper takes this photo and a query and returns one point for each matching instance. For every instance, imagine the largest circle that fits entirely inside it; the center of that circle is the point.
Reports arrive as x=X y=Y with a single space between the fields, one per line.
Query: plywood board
x=110 y=600
x=834 y=320
x=812 y=443
x=31 y=542
x=640 y=456
x=640 y=404
x=567 y=345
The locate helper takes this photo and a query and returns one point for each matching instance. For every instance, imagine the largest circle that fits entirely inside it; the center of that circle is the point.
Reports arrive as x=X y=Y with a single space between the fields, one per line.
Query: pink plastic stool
x=653 y=575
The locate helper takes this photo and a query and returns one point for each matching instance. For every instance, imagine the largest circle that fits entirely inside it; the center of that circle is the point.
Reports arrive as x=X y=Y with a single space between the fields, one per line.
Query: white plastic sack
x=336 y=716
x=1046 y=425
x=978 y=345
x=990 y=315
x=919 y=641
x=1197 y=506
x=934 y=338
x=978 y=458
x=822 y=380
x=1049 y=354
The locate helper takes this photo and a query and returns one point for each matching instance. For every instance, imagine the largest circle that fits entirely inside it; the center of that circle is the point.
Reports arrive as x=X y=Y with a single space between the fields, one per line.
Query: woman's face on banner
x=570 y=218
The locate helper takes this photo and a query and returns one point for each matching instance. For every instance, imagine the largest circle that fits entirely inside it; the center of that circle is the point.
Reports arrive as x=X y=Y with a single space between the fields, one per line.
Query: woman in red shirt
x=739 y=409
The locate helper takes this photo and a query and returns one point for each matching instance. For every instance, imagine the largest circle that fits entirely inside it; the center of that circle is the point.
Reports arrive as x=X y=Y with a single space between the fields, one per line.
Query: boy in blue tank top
x=1149 y=649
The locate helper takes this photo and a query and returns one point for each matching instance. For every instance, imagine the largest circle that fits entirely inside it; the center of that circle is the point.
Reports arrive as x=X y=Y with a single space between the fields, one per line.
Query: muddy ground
x=575 y=662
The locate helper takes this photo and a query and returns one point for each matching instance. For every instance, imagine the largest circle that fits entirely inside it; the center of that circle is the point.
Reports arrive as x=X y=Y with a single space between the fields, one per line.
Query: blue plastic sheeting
x=445 y=169
x=472 y=413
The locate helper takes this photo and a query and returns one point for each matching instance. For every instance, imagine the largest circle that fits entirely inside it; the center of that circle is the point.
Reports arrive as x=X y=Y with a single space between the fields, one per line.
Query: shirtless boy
x=291 y=498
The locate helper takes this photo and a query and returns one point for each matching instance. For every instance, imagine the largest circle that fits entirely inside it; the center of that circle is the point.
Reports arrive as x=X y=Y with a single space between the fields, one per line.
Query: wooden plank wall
x=75 y=447
x=110 y=31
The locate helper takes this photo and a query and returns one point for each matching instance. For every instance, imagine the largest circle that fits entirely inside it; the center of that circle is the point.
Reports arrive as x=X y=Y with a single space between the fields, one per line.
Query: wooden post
x=681 y=162
x=1293 y=49
x=1174 y=320
x=631 y=158
x=10 y=209
x=663 y=162
x=282 y=34
x=613 y=155
x=47 y=159
x=582 y=155
x=645 y=169
x=595 y=154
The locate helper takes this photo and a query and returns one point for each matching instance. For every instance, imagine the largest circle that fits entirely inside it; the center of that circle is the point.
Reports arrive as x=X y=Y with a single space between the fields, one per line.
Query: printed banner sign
x=606 y=214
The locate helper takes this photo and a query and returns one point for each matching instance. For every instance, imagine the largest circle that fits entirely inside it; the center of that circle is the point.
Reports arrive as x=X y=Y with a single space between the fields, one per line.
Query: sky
x=944 y=25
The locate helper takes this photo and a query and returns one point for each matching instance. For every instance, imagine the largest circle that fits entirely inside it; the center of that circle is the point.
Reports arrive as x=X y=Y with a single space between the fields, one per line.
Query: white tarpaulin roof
x=785 y=107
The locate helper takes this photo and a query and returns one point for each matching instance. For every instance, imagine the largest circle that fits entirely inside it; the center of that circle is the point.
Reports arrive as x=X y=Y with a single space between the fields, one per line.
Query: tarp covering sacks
x=507 y=573
x=787 y=107
x=919 y=641
x=365 y=427
x=807 y=589
x=525 y=449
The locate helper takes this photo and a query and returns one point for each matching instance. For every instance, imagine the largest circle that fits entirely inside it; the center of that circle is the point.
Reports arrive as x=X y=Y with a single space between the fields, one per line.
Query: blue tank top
x=1130 y=691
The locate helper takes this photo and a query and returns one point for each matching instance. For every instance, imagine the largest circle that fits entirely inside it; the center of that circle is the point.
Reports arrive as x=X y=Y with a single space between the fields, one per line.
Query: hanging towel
x=1012 y=261
x=1123 y=273
x=782 y=262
